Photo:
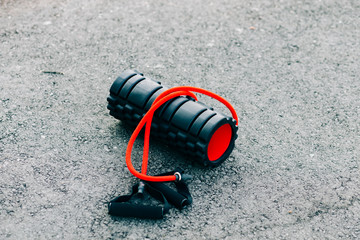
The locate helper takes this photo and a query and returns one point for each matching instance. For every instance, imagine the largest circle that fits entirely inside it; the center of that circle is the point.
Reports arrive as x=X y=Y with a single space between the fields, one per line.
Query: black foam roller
x=199 y=131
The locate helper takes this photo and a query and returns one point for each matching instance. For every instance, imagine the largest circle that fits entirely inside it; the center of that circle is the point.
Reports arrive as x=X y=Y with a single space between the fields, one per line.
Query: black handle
x=135 y=210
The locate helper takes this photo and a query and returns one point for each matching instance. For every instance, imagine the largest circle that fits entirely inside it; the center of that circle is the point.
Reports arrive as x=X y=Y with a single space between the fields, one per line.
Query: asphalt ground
x=290 y=68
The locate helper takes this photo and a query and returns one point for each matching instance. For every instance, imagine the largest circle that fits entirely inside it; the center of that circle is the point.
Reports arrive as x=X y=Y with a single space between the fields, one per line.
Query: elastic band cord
x=147 y=120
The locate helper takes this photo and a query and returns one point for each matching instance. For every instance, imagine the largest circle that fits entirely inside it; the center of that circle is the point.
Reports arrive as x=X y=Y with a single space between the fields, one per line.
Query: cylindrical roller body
x=199 y=131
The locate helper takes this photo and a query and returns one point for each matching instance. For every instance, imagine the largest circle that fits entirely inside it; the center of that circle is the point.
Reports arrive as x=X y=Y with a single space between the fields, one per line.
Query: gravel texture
x=290 y=68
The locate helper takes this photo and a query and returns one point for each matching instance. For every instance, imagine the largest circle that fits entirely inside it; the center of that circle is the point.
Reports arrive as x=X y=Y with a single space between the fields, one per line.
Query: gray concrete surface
x=290 y=68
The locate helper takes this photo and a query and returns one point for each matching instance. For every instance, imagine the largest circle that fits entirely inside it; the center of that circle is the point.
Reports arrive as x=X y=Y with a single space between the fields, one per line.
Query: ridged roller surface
x=181 y=122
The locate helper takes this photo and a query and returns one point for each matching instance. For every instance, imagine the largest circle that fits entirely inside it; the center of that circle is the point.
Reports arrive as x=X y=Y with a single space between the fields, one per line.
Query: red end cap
x=219 y=142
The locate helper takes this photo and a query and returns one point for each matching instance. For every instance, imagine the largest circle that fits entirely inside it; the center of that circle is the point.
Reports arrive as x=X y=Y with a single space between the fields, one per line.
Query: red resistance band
x=147 y=120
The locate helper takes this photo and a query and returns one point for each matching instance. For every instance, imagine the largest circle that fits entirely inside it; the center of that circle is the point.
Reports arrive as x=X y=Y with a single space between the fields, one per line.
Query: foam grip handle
x=206 y=135
x=133 y=210
x=175 y=198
